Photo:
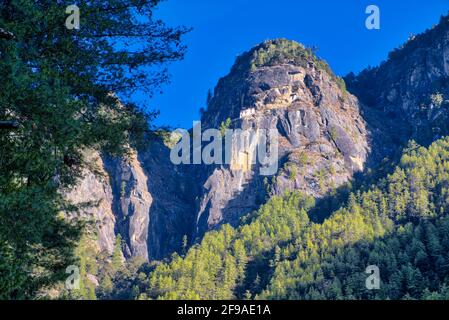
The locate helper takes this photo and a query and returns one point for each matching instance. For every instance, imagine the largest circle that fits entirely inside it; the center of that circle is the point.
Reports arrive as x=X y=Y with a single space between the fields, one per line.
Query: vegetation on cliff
x=283 y=51
x=57 y=83
x=400 y=225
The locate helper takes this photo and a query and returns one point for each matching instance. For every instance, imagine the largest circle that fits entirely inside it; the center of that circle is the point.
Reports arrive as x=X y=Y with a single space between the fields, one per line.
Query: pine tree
x=117 y=255
x=106 y=285
x=62 y=87
x=328 y=260
x=184 y=244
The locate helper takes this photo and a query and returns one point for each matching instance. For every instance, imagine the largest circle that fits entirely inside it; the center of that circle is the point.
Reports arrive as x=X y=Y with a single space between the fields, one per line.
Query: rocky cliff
x=326 y=133
x=142 y=197
x=322 y=137
x=278 y=85
x=406 y=96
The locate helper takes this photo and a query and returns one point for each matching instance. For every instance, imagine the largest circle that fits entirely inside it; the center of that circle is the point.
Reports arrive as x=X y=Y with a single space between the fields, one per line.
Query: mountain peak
x=276 y=73
x=279 y=51
x=407 y=87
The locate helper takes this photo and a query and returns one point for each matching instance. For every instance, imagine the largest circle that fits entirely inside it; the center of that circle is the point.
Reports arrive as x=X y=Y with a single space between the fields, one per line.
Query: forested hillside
x=400 y=224
x=61 y=86
x=88 y=183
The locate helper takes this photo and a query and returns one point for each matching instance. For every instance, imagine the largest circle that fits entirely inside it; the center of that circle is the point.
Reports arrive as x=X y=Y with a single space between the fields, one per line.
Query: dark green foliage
x=400 y=225
x=383 y=226
x=59 y=84
x=231 y=256
x=225 y=125
x=126 y=283
x=283 y=51
x=117 y=256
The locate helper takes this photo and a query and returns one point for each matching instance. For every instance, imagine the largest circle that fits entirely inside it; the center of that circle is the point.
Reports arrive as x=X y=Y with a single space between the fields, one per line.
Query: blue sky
x=223 y=29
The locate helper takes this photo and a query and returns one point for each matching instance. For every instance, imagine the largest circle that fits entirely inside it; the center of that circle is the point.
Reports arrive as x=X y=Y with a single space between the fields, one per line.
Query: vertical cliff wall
x=326 y=135
x=281 y=85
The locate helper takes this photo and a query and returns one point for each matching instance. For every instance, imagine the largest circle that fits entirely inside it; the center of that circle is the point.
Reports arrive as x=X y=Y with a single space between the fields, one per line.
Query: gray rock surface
x=397 y=95
x=322 y=136
x=326 y=135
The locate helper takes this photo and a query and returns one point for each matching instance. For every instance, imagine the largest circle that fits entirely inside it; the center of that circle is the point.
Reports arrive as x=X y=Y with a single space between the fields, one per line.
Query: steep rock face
x=325 y=136
x=94 y=194
x=281 y=85
x=151 y=202
x=142 y=197
x=323 y=140
x=173 y=189
x=278 y=85
x=406 y=96
x=131 y=203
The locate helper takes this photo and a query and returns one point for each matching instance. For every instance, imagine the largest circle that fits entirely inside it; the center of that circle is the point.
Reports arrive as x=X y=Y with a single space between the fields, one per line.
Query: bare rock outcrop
x=94 y=195
x=326 y=134
x=323 y=140
x=407 y=96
